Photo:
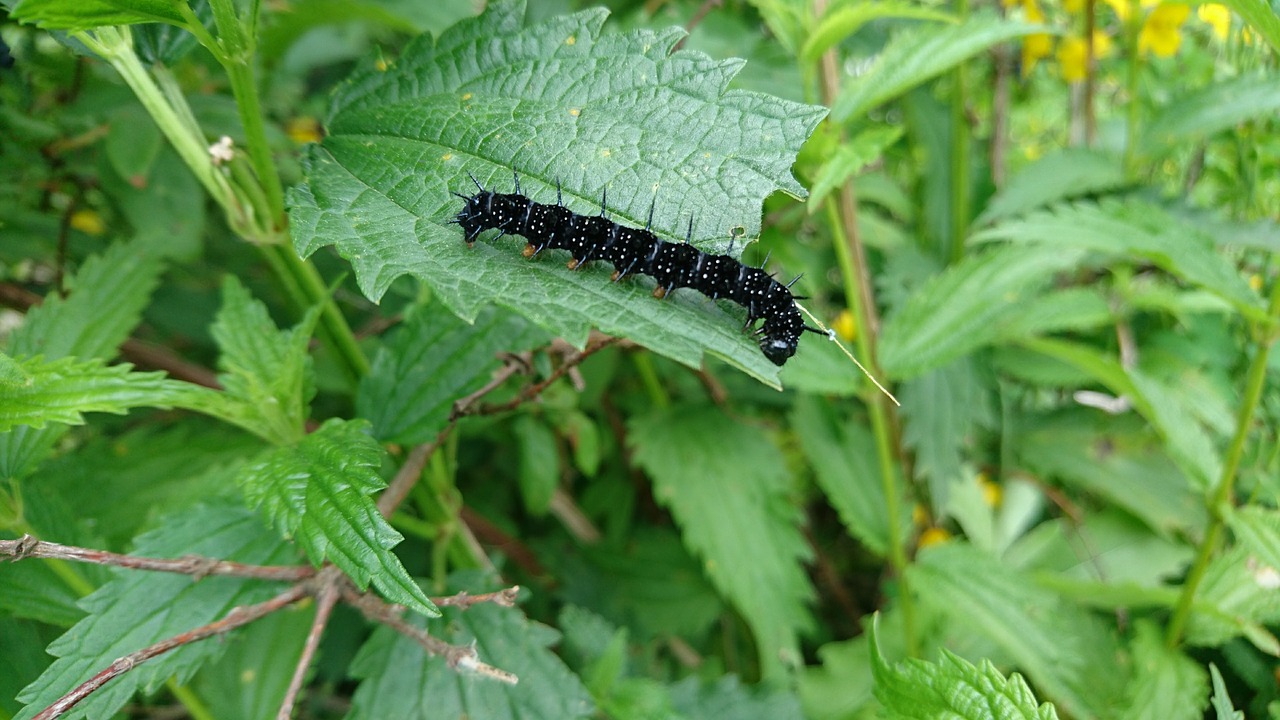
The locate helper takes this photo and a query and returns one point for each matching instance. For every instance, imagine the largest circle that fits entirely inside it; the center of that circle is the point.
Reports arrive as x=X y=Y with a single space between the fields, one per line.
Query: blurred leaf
x=240 y=685
x=22 y=660
x=1218 y=106
x=136 y=609
x=1257 y=529
x=951 y=688
x=1122 y=552
x=147 y=472
x=1222 y=706
x=1261 y=17
x=317 y=492
x=164 y=44
x=1237 y=598
x=1167 y=685
x=400 y=680
x=267 y=372
x=922 y=54
x=943 y=410
x=1137 y=230
x=168 y=212
x=1063 y=175
x=842 y=457
x=842 y=20
x=618 y=112
x=841 y=687
x=963 y=308
x=729 y=698
x=105 y=301
x=1117 y=463
x=132 y=143
x=1185 y=441
x=431 y=362
x=32 y=589
x=539 y=463
x=733 y=513
x=87 y=14
x=850 y=159
x=1050 y=640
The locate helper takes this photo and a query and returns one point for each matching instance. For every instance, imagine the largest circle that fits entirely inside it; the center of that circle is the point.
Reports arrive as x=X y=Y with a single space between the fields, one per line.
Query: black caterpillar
x=638 y=251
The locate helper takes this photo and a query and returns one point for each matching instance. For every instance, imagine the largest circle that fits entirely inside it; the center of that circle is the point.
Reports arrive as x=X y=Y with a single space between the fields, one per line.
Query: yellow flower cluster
x=1160 y=35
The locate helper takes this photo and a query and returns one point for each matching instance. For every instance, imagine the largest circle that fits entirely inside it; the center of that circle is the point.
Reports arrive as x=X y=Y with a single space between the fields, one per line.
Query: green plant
x=1078 y=486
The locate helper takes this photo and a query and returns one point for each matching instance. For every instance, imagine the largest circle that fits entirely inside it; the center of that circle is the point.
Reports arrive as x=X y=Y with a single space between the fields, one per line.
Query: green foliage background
x=1068 y=285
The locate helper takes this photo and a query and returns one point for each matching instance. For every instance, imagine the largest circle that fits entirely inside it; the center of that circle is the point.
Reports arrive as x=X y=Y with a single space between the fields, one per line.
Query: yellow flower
x=88 y=222
x=1217 y=16
x=845 y=326
x=992 y=493
x=1073 y=6
x=1162 y=32
x=303 y=130
x=1255 y=282
x=1123 y=9
x=934 y=536
x=1037 y=45
x=1073 y=51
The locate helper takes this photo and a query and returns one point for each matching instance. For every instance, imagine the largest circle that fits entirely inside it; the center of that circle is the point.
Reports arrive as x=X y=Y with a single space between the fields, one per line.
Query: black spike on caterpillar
x=637 y=251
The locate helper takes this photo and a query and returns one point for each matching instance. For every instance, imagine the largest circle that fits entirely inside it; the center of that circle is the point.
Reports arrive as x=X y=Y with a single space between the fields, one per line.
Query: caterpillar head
x=777 y=348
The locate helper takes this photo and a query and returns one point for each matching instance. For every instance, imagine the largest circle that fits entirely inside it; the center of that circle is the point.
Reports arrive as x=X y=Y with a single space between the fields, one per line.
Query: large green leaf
x=952 y=688
x=317 y=492
x=1237 y=597
x=734 y=513
x=966 y=306
x=1258 y=529
x=1052 y=641
x=943 y=411
x=559 y=103
x=86 y=14
x=106 y=299
x=400 y=680
x=924 y=53
x=266 y=372
x=432 y=361
x=1135 y=230
x=1216 y=107
x=136 y=609
x=239 y=685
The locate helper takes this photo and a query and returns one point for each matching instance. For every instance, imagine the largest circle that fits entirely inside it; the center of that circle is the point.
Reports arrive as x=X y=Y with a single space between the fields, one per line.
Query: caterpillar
x=636 y=251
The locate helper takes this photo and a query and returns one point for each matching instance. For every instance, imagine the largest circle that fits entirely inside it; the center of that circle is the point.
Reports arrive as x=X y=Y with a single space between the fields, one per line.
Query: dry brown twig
x=328 y=586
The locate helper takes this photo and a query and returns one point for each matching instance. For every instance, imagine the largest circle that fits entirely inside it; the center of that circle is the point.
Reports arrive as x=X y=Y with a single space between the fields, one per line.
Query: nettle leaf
x=735 y=514
x=1137 y=230
x=1167 y=685
x=943 y=410
x=1060 y=646
x=842 y=455
x=433 y=360
x=952 y=688
x=1062 y=175
x=136 y=609
x=1257 y=529
x=1237 y=598
x=400 y=680
x=87 y=14
x=729 y=698
x=921 y=54
x=239 y=685
x=61 y=391
x=1217 y=106
x=559 y=103
x=1222 y=707
x=266 y=372
x=316 y=491
x=967 y=306
x=105 y=302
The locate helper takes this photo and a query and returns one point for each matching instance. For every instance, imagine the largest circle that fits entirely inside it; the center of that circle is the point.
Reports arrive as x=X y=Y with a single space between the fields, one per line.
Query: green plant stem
x=1132 y=76
x=649 y=377
x=1222 y=493
x=190 y=701
x=959 y=151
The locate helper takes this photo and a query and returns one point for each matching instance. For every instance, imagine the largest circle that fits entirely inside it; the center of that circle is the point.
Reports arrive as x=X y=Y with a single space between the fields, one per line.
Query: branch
x=193 y=565
x=329 y=581
x=456 y=656
x=238 y=617
x=464 y=599
x=531 y=391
